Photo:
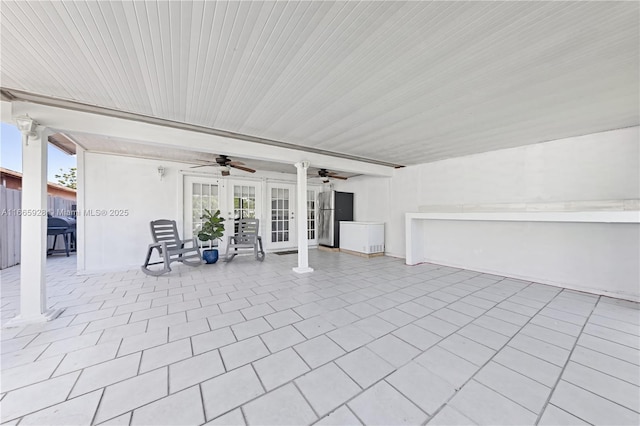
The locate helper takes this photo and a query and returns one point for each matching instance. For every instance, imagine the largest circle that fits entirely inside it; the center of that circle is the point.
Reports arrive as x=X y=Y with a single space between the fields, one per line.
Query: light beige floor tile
x=37 y=396
x=280 y=368
x=132 y=393
x=281 y=338
x=343 y=416
x=87 y=357
x=313 y=327
x=449 y=416
x=251 y=328
x=212 y=340
x=590 y=407
x=230 y=390
x=327 y=387
x=417 y=336
x=383 y=405
x=604 y=385
x=28 y=374
x=425 y=389
x=188 y=329
x=74 y=412
x=101 y=375
x=553 y=416
x=232 y=418
x=450 y=367
x=182 y=408
x=364 y=367
x=194 y=370
x=468 y=349
x=318 y=351
x=282 y=318
x=523 y=390
x=350 y=337
x=393 y=350
x=244 y=352
x=485 y=406
x=535 y=368
x=283 y=406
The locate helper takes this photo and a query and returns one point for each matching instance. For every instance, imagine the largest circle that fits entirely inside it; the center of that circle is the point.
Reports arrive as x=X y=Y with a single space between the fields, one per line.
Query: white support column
x=303 y=241
x=33 y=251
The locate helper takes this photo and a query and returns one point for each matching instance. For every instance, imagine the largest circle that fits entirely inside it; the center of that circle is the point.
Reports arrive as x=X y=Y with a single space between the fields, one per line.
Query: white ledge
x=588 y=216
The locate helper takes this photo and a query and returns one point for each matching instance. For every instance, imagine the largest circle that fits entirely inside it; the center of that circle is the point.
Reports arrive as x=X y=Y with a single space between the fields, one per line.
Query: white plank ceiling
x=401 y=82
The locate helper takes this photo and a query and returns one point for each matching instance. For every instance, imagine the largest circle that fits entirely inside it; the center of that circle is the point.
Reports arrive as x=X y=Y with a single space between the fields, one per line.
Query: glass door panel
x=244 y=203
x=199 y=194
x=282 y=226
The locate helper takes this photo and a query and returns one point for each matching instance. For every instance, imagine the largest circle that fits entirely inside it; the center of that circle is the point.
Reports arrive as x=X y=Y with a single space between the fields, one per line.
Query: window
x=205 y=196
x=311 y=215
x=279 y=214
x=244 y=203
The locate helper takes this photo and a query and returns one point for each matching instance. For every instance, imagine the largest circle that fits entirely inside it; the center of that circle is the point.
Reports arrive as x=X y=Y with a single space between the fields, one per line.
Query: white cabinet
x=362 y=237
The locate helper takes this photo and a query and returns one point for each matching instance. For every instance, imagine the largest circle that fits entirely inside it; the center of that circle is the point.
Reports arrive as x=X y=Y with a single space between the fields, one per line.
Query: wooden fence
x=10 y=223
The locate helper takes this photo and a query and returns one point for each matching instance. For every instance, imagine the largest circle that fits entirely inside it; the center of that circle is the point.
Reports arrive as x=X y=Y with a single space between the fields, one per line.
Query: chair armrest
x=191 y=240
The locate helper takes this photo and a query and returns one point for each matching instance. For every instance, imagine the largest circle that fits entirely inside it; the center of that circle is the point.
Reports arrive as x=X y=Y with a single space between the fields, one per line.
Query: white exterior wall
x=124 y=183
x=593 y=257
x=110 y=182
x=603 y=167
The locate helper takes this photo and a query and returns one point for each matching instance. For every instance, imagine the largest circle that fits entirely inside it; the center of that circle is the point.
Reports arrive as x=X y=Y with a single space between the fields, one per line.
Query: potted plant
x=212 y=229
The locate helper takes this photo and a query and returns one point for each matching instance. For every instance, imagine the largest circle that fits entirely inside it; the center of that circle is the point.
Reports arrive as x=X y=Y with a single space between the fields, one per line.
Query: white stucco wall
x=113 y=183
x=603 y=168
x=124 y=183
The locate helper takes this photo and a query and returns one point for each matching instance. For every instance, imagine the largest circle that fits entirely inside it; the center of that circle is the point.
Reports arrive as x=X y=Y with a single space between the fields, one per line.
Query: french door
x=234 y=198
x=243 y=202
x=282 y=226
x=312 y=218
x=238 y=199
x=199 y=194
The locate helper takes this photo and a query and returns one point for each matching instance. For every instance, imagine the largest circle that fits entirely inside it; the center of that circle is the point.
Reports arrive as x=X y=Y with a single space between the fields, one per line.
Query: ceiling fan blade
x=338 y=177
x=235 y=163
x=202 y=165
x=246 y=169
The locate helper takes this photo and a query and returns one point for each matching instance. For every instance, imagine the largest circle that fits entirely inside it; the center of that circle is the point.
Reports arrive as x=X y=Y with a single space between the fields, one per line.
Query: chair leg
x=65 y=236
x=155 y=273
x=261 y=253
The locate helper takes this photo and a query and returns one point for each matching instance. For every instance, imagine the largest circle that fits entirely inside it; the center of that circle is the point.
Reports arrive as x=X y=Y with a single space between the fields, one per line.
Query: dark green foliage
x=213 y=228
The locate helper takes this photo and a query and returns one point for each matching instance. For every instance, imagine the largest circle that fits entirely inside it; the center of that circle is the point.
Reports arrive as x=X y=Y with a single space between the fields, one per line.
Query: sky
x=11 y=153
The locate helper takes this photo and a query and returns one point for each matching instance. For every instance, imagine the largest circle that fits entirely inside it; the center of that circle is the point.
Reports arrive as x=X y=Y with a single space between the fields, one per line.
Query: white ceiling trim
x=162 y=136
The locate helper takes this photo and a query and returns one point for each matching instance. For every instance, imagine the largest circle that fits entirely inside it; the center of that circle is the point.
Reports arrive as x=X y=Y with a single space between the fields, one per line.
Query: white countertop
x=631 y=216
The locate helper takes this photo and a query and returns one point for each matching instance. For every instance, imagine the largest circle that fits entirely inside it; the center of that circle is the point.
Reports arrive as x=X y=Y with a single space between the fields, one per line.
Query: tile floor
x=368 y=341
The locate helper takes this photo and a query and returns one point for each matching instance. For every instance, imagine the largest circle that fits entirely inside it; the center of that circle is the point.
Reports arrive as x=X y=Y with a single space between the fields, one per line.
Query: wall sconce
x=27 y=127
x=161 y=171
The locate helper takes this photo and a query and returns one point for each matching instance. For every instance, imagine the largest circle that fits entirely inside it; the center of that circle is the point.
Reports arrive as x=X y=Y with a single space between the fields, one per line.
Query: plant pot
x=210 y=256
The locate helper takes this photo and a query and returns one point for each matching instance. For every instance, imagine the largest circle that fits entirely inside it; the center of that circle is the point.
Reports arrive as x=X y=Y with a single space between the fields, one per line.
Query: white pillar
x=33 y=250
x=303 y=240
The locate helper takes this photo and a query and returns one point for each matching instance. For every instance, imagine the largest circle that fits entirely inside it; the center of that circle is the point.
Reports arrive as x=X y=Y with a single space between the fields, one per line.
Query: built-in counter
x=595 y=251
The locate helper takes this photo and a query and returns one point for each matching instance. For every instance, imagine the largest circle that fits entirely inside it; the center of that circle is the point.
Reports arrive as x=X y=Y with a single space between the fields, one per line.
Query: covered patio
x=494 y=145
x=368 y=341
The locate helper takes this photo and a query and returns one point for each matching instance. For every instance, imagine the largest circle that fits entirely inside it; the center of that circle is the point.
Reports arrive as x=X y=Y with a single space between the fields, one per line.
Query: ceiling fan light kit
x=326 y=175
x=226 y=164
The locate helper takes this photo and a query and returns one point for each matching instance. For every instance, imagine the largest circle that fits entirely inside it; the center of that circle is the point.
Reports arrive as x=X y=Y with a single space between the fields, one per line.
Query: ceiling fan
x=326 y=175
x=226 y=164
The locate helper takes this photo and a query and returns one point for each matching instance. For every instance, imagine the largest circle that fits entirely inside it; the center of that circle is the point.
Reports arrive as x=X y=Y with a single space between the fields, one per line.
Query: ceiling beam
x=165 y=135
